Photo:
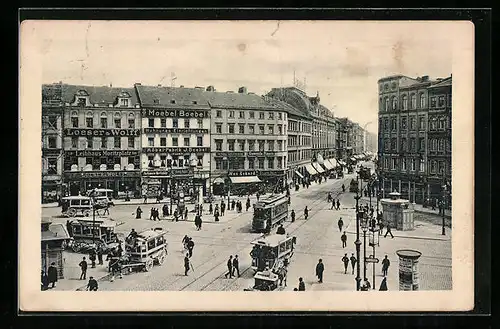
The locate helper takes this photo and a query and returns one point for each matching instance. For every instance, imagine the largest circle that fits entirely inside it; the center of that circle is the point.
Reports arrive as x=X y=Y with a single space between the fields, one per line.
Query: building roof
x=170 y=97
x=57 y=231
x=238 y=101
x=442 y=83
x=102 y=95
x=290 y=109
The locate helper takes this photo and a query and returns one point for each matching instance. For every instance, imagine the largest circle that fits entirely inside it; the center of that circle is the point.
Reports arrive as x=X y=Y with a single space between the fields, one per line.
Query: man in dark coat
x=292 y=215
x=345 y=260
x=306 y=213
x=92 y=285
x=229 y=267
x=92 y=257
x=340 y=224
x=165 y=210
x=302 y=285
x=320 y=267
x=383 y=284
x=343 y=238
x=186 y=264
x=236 y=266
x=233 y=203
x=353 y=262
x=210 y=209
x=388 y=231
x=385 y=265
x=280 y=230
x=222 y=208
x=52 y=274
x=248 y=204
x=185 y=213
x=338 y=204
x=99 y=256
x=45 y=281
x=190 y=246
x=83 y=266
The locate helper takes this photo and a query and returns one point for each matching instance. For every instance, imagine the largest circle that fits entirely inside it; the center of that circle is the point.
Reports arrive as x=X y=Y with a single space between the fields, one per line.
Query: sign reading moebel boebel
x=176 y=113
x=102 y=132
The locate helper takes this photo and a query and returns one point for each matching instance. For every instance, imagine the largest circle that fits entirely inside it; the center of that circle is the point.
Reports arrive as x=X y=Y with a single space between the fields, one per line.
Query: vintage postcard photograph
x=246 y=166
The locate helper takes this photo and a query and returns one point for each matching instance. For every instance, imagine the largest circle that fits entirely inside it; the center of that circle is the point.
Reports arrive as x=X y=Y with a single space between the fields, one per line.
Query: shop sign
x=101 y=132
x=176 y=150
x=102 y=153
x=101 y=174
x=176 y=113
x=261 y=153
x=229 y=154
x=175 y=130
x=54 y=152
x=238 y=173
x=271 y=172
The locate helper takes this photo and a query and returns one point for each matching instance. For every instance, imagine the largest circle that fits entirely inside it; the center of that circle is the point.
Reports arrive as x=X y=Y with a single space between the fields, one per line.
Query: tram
x=272 y=252
x=269 y=212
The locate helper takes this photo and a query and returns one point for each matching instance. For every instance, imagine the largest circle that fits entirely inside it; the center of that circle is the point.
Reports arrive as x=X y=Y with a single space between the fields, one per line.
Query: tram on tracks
x=269 y=213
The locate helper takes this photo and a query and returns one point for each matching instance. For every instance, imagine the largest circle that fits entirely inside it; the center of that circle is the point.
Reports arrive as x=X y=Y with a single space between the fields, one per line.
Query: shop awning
x=353 y=159
x=298 y=174
x=310 y=169
x=328 y=165
x=333 y=162
x=218 y=180
x=318 y=167
x=245 y=179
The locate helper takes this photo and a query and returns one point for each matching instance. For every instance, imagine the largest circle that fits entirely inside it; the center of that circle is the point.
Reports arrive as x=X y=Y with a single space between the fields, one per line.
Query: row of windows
x=109 y=162
x=299 y=155
x=251 y=129
x=299 y=140
x=90 y=123
x=175 y=141
x=299 y=126
x=251 y=115
x=411 y=123
x=435 y=167
x=259 y=163
x=280 y=145
x=102 y=142
x=153 y=123
x=83 y=101
x=391 y=103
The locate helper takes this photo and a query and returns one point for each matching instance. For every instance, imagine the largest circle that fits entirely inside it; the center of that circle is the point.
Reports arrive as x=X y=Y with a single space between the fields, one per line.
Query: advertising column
x=408 y=269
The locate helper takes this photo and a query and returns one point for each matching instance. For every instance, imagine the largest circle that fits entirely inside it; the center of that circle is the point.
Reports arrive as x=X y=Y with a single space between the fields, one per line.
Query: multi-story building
x=248 y=140
x=101 y=139
x=406 y=107
x=175 y=139
x=52 y=160
x=323 y=125
x=370 y=142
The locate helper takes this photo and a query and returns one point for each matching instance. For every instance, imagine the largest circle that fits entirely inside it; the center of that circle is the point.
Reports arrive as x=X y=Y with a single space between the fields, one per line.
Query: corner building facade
x=101 y=139
x=410 y=152
x=175 y=140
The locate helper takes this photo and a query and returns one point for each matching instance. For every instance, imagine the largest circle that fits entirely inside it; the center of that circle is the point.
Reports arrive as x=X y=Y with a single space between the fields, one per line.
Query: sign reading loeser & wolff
x=102 y=132
x=176 y=113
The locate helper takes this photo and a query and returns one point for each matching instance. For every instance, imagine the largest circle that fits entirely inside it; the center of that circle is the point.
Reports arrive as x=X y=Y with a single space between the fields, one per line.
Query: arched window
x=387 y=103
x=104 y=120
x=90 y=114
x=74 y=114
x=404 y=102
x=394 y=102
x=422 y=100
x=118 y=115
x=89 y=120
x=413 y=101
x=441 y=145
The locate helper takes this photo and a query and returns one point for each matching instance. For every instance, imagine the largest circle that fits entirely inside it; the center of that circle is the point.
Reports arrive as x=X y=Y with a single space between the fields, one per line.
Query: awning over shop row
x=328 y=165
x=334 y=162
x=310 y=169
x=245 y=179
x=318 y=167
x=298 y=174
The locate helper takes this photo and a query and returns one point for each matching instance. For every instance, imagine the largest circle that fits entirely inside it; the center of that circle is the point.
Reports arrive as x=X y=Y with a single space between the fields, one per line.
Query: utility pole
x=357 y=242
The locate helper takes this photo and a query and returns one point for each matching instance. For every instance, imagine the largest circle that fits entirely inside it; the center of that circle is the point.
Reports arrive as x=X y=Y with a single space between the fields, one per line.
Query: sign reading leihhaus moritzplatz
x=102 y=153
x=102 y=132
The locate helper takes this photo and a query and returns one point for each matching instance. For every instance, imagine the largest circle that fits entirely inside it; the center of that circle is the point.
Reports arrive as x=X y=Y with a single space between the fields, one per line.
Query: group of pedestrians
x=335 y=202
x=233 y=265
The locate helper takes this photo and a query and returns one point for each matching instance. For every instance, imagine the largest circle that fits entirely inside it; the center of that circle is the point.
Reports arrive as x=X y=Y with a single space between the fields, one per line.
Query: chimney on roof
x=425 y=78
x=210 y=88
x=181 y=86
x=242 y=90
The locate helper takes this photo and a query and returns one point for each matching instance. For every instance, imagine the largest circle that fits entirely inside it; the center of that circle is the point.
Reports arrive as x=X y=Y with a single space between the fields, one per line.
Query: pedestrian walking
x=306 y=213
x=99 y=256
x=236 y=266
x=385 y=265
x=320 y=267
x=210 y=209
x=258 y=196
x=248 y=204
x=52 y=275
x=343 y=238
x=83 y=267
x=340 y=224
x=165 y=210
x=222 y=208
x=381 y=227
x=338 y=204
x=292 y=215
x=302 y=285
x=388 y=231
x=152 y=214
x=186 y=264
x=176 y=216
x=92 y=257
x=185 y=213
x=190 y=246
x=353 y=262
x=383 y=284
x=233 y=204
x=333 y=205
x=229 y=267
x=138 y=213
x=44 y=281
x=329 y=197
x=92 y=285
x=345 y=260
x=343 y=188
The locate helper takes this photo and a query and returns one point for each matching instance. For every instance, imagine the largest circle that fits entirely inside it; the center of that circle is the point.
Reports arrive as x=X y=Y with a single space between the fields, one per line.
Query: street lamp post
x=93 y=214
x=357 y=242
x=442 y=205
x=364 y=226
x=228 y=180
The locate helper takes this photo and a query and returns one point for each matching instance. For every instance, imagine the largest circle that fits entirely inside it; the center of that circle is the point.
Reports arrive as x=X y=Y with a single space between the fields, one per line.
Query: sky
x=340 y=60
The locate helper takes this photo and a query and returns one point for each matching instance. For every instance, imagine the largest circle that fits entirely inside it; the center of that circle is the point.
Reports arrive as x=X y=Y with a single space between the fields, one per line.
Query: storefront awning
x=333 y=162
x=218 y=180
x=328 y=165
x=245 y=179
x=298 y=174
x=353 y=159
x=318 y=167
x=310 y=169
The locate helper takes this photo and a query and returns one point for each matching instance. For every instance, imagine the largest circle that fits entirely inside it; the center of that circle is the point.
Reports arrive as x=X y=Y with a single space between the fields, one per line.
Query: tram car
x=273 y=252
x=147 y=249
x=269 y=212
